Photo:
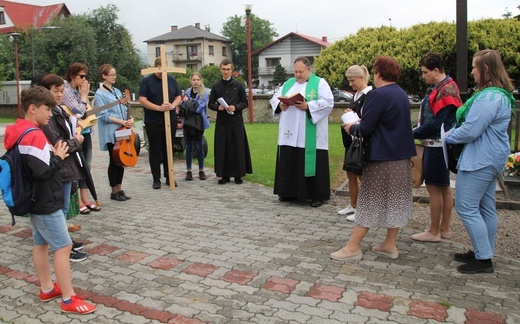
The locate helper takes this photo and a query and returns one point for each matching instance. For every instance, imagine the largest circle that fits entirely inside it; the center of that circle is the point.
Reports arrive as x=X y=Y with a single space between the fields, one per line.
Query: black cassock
x=232 y=156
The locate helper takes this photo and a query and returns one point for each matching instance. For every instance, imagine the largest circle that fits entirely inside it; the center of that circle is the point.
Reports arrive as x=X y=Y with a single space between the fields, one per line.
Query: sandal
x=93 y=207
x=84 y=210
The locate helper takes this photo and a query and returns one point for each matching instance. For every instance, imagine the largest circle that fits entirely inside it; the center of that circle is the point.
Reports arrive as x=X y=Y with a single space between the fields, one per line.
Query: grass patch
x=263 y=140
x=5 y=120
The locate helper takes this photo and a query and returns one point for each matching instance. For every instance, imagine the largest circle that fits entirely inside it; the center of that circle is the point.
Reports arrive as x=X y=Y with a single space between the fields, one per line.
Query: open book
x=292 y=99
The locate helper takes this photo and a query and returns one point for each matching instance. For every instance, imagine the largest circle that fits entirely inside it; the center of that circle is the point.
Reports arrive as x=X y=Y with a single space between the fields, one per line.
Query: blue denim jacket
x=485 y=133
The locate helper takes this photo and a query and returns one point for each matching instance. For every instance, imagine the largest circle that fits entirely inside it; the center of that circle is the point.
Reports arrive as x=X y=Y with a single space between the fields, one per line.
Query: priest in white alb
x=302 y=160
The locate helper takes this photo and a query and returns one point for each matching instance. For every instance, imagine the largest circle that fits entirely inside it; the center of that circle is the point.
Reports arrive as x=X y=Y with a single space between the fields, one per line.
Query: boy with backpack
x=41 y=163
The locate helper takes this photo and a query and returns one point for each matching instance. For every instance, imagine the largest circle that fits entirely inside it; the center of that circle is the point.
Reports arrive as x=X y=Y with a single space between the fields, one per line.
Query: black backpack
x=18 y=189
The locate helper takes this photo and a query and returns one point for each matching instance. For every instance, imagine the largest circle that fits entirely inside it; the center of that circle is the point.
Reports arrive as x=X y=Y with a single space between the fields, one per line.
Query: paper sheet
x=225 y=105
x=444 y=145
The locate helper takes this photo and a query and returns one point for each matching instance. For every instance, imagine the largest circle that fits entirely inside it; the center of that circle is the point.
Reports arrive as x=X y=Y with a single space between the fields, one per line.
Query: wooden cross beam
x=164 y=69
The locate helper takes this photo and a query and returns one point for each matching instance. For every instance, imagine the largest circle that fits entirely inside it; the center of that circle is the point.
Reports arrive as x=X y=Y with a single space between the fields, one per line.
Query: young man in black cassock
x=232 y=157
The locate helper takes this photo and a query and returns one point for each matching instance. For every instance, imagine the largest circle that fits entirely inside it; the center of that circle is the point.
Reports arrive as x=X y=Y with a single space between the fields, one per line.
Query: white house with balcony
x=284 y=51
x=190 y=47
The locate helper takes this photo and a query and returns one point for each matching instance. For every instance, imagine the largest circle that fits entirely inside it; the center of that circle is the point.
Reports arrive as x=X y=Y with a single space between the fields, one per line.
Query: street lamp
x=249 y=72
x=32 y=42
x=13 y=37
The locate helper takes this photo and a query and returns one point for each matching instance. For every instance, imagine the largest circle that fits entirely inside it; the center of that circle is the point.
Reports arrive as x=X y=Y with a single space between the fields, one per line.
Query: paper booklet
x=225 y=105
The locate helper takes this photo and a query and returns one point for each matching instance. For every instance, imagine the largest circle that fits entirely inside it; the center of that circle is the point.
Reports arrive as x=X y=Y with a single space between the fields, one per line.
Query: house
x=190 y=47
x=20 y=16
x=283 y=51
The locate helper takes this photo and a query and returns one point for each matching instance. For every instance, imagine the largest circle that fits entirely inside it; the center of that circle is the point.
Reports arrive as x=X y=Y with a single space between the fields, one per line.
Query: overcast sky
x=335 y=19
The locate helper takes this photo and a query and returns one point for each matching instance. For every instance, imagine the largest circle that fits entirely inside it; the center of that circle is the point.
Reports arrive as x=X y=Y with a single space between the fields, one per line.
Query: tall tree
x=262 y=33
x=114 y=46
x=279 y=75
x=407 y=45
x=93 y=38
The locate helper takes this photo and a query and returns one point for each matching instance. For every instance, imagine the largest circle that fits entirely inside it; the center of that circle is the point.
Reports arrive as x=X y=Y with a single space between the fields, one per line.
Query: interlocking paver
x=207 y=253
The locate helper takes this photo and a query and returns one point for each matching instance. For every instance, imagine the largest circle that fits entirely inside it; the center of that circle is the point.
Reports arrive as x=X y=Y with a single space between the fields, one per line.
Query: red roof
x=315 y=40
x=24 y=16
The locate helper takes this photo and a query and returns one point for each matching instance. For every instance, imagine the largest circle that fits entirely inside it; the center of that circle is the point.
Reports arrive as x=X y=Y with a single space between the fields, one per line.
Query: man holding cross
x=302 y=162
x=151 y=98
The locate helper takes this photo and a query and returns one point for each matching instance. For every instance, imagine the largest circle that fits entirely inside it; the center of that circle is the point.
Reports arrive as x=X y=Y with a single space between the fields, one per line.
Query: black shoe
x=202 y=176
x=477 y=266
x=76 y=256
x=238 y=180
x=284 y=199
x=464 y=257
x=316 y=203
x=224 y=180
x=189 y=176
x=76 y=246
x=168 y=183
x=117 y=196
x=156 y=184
x=123 y=194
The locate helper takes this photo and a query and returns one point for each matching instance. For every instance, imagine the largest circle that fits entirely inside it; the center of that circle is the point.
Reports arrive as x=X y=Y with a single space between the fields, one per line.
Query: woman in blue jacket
x=198 y=93
x=109 y=120
x=482 y=126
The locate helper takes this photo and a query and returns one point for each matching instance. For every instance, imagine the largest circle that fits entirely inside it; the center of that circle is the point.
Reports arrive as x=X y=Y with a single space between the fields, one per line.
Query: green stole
x=311 y=91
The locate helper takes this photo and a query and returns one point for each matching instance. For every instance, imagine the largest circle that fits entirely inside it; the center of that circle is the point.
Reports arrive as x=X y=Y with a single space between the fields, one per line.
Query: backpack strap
x=23 y=134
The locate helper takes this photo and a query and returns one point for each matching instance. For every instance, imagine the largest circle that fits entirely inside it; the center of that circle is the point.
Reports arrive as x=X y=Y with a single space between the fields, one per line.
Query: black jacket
x=57 y=130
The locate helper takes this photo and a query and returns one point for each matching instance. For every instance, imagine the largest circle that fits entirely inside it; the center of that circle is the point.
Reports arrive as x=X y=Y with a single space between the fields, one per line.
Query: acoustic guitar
x=89 y=118
x=124 y=152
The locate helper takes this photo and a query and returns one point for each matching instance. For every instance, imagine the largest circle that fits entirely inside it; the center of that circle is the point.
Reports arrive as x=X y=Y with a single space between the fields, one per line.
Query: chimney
x=174 y=28
x=197 y=25
x=324 y=38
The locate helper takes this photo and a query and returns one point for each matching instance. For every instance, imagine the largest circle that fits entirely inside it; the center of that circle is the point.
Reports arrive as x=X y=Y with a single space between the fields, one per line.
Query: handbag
x=454 y=152
x=355 y=157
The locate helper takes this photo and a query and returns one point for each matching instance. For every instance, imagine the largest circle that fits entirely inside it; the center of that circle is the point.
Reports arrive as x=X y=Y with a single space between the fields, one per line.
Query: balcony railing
x=269 y=70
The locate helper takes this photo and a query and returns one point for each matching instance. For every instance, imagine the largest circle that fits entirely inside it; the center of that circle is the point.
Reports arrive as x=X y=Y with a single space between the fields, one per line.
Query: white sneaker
x=351 y=218
x=348 y=210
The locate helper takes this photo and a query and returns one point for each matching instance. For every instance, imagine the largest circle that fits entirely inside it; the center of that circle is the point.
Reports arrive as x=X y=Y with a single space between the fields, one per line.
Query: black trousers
x=115 y=172
x=157 y=153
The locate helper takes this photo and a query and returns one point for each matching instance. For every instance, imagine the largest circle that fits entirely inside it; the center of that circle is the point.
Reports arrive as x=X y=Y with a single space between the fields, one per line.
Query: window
x=311 y=59
x=211 y=50
x=193 y=67
x=2 y=17
x=191 y=50
x=224 y=51
x=272 y=62
x=157 y=51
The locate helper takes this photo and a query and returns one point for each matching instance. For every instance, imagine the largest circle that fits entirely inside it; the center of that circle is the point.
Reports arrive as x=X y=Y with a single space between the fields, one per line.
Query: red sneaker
x=77 y=305
x=54 y=293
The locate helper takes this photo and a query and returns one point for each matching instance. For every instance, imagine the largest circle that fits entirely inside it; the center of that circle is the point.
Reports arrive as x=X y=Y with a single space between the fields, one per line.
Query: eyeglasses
x=112 y=75
x=82 y=75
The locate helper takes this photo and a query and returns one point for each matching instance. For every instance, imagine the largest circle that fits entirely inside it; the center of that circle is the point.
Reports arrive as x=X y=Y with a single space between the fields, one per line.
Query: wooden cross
x=164 y=69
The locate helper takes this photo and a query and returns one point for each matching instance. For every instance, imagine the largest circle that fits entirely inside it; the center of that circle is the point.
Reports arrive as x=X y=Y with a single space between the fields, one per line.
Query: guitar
x=124 y=153
x=89 y=118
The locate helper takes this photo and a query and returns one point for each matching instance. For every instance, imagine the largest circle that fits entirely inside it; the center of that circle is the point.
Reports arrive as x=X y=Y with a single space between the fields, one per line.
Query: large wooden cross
x=164 y=69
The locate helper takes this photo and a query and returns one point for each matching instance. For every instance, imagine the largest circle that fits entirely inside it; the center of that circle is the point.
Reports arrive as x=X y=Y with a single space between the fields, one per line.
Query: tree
x=92 y=39
x=279 y=75
x=408 y=45
x=210 y=75
x=262 y=33
x=115 y=46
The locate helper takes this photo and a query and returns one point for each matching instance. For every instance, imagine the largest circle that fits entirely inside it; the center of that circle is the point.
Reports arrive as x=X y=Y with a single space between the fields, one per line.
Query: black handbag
x=454 y=152
x=355 y=157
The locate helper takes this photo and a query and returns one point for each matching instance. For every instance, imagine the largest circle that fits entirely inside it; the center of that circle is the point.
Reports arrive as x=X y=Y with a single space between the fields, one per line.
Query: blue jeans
x=67 y=187
x=475 y=204
x=50 y=229
x=197 y=143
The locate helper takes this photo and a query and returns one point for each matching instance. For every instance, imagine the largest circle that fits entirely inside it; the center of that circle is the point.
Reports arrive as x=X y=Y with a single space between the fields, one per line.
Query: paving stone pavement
x=209 y=253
